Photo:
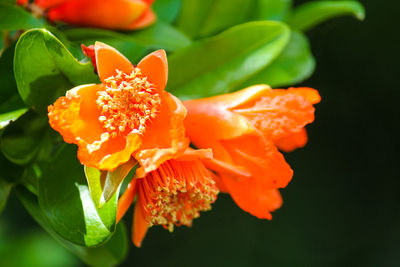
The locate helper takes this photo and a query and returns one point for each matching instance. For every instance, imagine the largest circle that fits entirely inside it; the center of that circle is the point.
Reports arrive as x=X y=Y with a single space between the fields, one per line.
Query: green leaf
x=44 y=69
x=5 y=189
x=104 y=184
x=201 y=18
x=7 y=118
x=9 y=98
x=167 y=10
x=311 y=14
x=110 y=254
x=160 y=35
x=272 y=9
x=14 y=17
x=293 y=65
x=20 y=141
x=219 y=64
x=65 y=200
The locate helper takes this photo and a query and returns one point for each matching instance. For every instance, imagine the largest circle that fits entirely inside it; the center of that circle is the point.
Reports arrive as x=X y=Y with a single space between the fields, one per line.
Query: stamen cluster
x=128 y=103
x=176 y=192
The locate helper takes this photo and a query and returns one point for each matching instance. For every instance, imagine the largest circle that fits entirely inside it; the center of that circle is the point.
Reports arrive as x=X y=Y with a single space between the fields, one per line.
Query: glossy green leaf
x=65 y=199
x=310 y=14
x=44 y=69
x=167 y=10
x=272 y=9
x=14 y=17
x=160 y=35
x=110 y=254
x=7 y=118
x=219 y=64
x=104 y=184
x=20 y=141
x=201 y=18
x=9 y=98
x=294 y=64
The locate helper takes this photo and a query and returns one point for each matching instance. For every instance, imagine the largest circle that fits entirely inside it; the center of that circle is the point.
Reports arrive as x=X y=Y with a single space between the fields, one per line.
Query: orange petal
x=165 y=139
x=220 y=166
x=252 y=197
x=220 y=123
x=279 y=113
x=261 y=158
x=191 y=154
x=155 y=67
x=146 y=19
x=139 y=226
x=75 y=117
x=45 y=4
x=111 y=14
x=292 y=142
x=22 y=2
x=126 y=199
x=109 y=60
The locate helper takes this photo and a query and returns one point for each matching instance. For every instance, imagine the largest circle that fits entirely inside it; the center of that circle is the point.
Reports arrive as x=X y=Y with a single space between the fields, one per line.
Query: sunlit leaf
x=200 y=18
x=310 y=14
x=293 y=65
x=104 y=184
x=217 y=65
x=44 y=69
x=272 y=9
x=110 y=254
x=65 y=199
x=160 y=35
x=7 y=118
x=167 y=10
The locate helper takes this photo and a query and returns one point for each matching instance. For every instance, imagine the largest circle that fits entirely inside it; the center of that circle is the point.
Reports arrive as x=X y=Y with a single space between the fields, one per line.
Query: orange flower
x=128 y=114
x=173 y=194
x=110 y=14
x=244 y=129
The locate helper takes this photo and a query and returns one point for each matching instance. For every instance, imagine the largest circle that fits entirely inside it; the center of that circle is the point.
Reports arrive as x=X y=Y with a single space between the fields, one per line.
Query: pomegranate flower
x=128 y=115
x=244 y=129
x=173 y=194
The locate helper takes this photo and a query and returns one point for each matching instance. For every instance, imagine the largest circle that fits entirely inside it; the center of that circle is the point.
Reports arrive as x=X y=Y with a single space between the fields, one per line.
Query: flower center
x=176 y=192
x=128 y=103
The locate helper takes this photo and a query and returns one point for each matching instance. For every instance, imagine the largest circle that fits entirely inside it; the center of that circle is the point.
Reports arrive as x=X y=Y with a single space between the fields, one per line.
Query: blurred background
x=342 y=207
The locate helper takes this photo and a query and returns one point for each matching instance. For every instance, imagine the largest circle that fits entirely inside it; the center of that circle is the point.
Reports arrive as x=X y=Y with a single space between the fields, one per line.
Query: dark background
x=342 y=207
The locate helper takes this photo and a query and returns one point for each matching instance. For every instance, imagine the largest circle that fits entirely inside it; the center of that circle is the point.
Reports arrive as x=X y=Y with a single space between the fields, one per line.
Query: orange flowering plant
x=89 y=131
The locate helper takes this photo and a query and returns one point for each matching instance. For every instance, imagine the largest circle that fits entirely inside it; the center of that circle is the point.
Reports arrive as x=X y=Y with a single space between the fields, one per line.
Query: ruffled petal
x=140 y=225
x=146 y=19
x=109 y=60
x=165 y=139
x=111 y=14
x=279 y=113
x=155 y=67
x=292 y=142
x=75 y=116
